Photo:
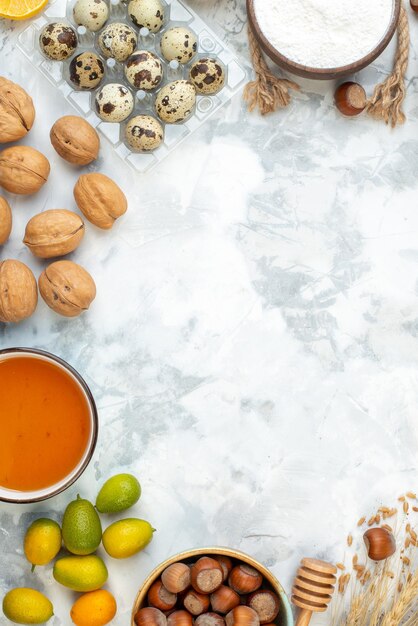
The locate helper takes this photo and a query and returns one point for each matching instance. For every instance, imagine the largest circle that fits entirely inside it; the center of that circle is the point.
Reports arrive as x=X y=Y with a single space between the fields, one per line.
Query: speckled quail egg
x=58 y=41
x=86 y=70
x=114 y=103
x=175 y=102
x=92 y=14
x=144 y=133
x=179 y=44
x=207 y=75
x=117 y=41
x=144 y=70
x=147 y=14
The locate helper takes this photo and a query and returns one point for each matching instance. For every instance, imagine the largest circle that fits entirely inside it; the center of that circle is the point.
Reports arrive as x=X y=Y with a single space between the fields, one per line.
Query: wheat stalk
x=403 y=605
x=385 y=593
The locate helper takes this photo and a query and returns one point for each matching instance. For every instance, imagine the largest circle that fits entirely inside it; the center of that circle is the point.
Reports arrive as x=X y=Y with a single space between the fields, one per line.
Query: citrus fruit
x=96 y=608
x=81 y=527
x=81 y=573
x=127 y=537
x=118 y=494
x=42 y=541
x=27 y=606
x=21 y=9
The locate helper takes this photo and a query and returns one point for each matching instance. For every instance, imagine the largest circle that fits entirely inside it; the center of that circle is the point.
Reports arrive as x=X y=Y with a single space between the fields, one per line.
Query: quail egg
x=179 y=44
x=207 y=75
x=144 y=70
x=144 y=133
x=117 y=41
x=114 y=103
x=147 y=13
x=92 y=14
x=86 y=70
x=58 y=41
x=175 y=102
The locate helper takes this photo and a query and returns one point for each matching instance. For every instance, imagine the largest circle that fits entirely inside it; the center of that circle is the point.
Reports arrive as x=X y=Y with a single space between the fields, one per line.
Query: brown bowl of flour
x=323 y=39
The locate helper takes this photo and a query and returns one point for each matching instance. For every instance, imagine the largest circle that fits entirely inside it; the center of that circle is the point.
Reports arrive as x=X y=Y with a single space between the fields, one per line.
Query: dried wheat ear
x=381 y=593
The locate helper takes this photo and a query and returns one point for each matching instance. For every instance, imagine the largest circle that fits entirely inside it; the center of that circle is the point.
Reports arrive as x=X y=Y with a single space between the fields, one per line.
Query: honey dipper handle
x=304 y=618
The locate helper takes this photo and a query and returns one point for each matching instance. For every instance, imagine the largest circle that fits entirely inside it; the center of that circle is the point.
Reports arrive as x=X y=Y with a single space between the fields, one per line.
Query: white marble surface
x=253 y=348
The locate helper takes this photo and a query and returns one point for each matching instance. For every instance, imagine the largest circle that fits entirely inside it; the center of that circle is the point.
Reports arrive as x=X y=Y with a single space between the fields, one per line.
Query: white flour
x=324 y=33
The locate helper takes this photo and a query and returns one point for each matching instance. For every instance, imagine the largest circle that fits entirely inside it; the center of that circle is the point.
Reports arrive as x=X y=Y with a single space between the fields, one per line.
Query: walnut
x=53 y=233
x=23 y=170
x=100 y=199
x=18 y=291
x=67 y=288
x=75 y=140
x=17 y=112
x=5 y=220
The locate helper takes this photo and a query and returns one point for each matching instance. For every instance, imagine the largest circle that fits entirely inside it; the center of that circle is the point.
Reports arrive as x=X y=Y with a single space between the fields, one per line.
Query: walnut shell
x=17 y=112
x=75 y=140
x=67 y=288
x=100 y=199
x=23 y=170
x=5 y=220
x=18 y=291
x=53 y=233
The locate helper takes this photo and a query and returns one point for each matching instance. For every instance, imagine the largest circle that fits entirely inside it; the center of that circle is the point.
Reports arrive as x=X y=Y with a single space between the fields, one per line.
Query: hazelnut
x=18 y=291
x=23 y=170
x=99 y=199
x=160 y=597
x=180 y=618
x=226 y=563
x=207 y=575
x=414 y=5
x=17 y=112
x=67 y=288
x=149 y=616
x=350 y=99
x=224 y=599
x=245 y=579
x=266 y=604
x=53 y=233
x=210 y=619
x=75 y=140
x=242 y=616
x=5 y=220
x=380 y=544
x=195 y=602
x=176 y=578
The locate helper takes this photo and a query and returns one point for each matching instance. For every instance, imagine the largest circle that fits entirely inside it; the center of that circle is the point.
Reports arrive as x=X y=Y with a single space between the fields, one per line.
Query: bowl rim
x=322 y=73
x=94 y=425
x=220 y=551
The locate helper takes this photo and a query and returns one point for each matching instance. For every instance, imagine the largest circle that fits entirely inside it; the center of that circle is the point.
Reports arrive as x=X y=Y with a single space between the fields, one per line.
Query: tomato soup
x=45 y=423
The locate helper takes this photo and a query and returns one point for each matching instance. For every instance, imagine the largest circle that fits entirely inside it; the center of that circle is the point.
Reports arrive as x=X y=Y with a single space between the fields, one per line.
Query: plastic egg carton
x=83 y=102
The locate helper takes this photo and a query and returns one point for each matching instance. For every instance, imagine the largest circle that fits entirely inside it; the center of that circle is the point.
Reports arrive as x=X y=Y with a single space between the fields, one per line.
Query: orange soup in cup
x=46 y=424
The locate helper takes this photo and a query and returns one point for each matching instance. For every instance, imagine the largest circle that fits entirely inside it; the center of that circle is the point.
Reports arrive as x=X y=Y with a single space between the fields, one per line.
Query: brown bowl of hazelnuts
x=211 y=587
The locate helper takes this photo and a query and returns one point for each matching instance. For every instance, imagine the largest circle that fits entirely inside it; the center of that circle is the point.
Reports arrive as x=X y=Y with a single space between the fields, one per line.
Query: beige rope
x=386 y=102
x=267 y=92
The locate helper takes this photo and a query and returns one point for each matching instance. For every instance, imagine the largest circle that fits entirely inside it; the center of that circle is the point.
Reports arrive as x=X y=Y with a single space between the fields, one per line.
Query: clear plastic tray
x=83 y=101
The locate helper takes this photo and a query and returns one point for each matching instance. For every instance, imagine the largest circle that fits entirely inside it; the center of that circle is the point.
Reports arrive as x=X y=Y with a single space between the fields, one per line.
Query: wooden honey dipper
x=313 y=588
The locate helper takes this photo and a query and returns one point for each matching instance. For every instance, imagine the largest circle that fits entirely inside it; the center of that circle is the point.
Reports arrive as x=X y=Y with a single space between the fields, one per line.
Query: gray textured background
x=253 y=345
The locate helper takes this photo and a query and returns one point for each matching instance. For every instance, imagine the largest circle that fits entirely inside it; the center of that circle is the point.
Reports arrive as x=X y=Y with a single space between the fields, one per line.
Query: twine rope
x=388 y=97
x=268 y=92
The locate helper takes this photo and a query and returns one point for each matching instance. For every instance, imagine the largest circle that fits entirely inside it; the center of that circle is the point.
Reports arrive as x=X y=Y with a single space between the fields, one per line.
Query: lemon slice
x=21 y=9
